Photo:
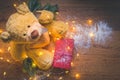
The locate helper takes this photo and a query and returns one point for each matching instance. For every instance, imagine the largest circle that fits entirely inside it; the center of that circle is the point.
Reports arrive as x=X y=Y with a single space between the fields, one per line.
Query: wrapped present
x=63 y=53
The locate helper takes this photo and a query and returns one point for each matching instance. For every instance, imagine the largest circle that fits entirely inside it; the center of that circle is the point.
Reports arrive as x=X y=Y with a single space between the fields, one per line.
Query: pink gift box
x=63 y=53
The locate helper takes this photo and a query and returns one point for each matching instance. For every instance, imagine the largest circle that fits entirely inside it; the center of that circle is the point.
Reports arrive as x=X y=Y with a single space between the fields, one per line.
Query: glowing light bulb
x=68 y=47
x=57 y=38
x=26 y=56
x=48 y=16
x=78 y=54
x=57 y=13
x=4 y=73
x=8 y=60
x=72 y=64
x=9 y=48
x=66 y=23
x=49 y=33
x=66 y=72
x=40 y=53
x=91 y=34
x=73 y=28
x=24 y=3
x=73 y=21
x=30 y=78
x=1 y=58
x=60 y=78
x=14 y=5
x=1 y=50
x=33 y=65
x=77 y=75
x=71 y=36
x=48 y=75
x=89 y=21
x=53 y=51
x=1 y=31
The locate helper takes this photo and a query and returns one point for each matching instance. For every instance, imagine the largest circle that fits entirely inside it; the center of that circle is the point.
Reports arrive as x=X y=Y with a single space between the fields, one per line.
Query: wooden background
x=99 y=63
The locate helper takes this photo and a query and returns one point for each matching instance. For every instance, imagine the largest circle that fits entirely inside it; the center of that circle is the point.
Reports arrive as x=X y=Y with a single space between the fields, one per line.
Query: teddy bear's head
x=22 y=26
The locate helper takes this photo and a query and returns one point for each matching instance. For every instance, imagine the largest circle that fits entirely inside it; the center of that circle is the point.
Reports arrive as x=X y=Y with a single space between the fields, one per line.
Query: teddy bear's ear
x=5 y=37
x=22 y=8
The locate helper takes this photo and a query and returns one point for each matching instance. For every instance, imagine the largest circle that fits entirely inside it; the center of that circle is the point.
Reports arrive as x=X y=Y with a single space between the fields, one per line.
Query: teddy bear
x=27 y=37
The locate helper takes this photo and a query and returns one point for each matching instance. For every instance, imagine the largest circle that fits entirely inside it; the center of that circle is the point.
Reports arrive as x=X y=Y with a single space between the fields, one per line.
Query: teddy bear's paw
x=5 y=36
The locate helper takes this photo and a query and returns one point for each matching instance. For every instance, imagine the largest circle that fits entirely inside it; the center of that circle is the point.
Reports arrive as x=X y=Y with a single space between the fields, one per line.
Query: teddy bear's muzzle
x=34 y=34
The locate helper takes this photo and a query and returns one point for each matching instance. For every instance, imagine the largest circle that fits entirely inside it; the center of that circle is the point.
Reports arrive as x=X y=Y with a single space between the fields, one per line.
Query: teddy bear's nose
x=34 y=34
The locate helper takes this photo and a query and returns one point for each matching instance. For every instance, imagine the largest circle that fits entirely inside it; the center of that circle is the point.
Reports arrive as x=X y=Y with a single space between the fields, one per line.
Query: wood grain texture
x=99 y=63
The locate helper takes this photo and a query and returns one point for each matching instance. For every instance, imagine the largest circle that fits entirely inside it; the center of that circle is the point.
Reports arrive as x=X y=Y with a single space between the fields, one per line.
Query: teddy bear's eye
x=28 y=26
x=24 y=34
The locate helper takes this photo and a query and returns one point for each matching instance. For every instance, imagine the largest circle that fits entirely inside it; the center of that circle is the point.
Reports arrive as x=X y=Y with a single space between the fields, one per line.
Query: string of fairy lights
x=77 y=75
x=6 y=59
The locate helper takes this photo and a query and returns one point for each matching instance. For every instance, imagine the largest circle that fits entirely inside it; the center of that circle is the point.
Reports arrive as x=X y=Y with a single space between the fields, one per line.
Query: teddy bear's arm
x=44 y=41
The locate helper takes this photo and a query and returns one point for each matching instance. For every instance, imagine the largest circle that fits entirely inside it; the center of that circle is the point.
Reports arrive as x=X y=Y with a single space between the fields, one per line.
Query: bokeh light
x=77 y=76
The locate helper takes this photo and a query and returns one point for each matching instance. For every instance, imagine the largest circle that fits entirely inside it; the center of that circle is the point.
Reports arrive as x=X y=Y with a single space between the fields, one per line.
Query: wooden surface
x=99 y=63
